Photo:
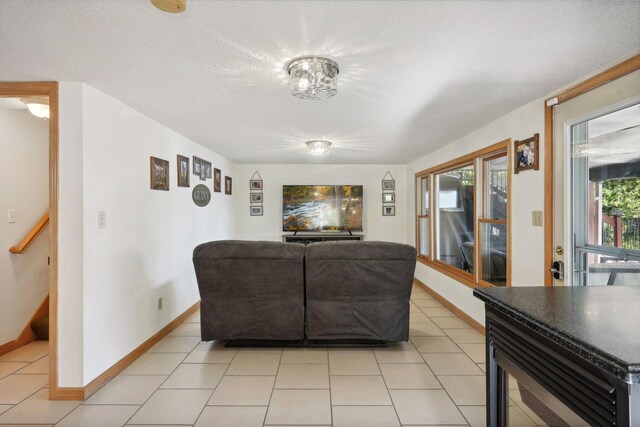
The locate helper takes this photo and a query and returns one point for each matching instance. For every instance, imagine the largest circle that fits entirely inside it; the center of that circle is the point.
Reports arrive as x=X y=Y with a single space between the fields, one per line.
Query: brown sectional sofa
x=348 y=290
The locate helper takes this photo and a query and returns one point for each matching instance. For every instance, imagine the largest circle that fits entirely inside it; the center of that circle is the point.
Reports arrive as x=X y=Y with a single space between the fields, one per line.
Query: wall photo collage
x=388 y=195
x=203 y=169
x=255 y=195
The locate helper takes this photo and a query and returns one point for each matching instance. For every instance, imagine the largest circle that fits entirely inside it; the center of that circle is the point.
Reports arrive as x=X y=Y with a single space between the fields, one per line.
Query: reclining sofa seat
x=250 y=290
x=358 y=290
x=256 y=290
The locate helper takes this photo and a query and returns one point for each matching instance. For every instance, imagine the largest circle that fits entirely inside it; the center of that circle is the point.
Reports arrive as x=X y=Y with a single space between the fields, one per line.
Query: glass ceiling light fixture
x=38 y=106
x=171 y=6
x=318 y=147
x=312 y=77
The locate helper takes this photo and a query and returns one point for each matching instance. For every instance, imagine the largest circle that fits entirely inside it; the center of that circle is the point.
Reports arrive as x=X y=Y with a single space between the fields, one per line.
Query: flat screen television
x=322 y=207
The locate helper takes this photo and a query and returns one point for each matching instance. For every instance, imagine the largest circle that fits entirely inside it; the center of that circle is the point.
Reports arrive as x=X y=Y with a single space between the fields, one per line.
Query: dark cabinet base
x=320 y=237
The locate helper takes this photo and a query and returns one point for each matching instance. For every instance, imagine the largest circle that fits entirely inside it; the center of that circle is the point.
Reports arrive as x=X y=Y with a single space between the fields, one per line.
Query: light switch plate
x=102 y=219
x=11 y=216
x=536 y=218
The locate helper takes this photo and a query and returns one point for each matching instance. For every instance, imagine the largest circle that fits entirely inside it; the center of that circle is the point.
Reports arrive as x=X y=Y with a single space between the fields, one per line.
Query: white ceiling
x=413 y=75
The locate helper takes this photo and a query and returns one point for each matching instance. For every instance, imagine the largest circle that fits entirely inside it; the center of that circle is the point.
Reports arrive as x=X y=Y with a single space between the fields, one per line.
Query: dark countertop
x=598 y=323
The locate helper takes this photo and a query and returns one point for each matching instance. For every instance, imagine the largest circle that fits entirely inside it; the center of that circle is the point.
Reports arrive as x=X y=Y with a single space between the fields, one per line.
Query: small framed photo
x=388 y=184
x=183 y=171
x=197 y=165
x=203 y=172
x=526 y=154
x=217 y=180
x=208 y=169
x=388 y=197
x=255 y=184
x=255 y=197
x=227 y=185
x=388 y=211
x=256 y=210
x=159 y=174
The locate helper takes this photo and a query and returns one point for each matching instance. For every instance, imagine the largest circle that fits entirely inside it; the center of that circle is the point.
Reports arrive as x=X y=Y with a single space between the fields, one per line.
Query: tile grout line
x=273 y=387
x=156 y=390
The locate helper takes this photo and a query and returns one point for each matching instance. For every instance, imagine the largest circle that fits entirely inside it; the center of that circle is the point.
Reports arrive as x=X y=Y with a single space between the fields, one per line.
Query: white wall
x=527 y=195
x=70 y=232
x=144 y=252
x=269 y=226
x=24 y=186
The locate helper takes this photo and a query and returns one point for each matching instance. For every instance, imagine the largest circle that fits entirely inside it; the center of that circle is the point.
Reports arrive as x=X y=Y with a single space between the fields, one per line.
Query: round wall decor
x=201 y=195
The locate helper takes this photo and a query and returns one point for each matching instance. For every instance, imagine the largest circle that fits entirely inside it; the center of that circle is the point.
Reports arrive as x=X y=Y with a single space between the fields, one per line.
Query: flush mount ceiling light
x=318 y=147
x=171 y=6
x=312 y=77
x=38 y=106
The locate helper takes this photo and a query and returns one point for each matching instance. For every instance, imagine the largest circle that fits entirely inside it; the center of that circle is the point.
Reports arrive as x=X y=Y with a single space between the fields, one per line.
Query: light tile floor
x=435 y=379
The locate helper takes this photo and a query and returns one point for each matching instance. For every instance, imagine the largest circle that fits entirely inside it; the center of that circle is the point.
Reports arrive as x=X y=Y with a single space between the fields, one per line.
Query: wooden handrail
x=31 y=236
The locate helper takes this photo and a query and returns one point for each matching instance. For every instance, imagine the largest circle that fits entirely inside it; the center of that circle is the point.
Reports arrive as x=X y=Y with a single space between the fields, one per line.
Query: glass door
x=589 y=158
x=605 y=181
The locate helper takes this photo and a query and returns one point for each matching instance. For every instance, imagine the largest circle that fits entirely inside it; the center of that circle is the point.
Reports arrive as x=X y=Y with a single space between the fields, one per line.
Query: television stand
x=306 y=238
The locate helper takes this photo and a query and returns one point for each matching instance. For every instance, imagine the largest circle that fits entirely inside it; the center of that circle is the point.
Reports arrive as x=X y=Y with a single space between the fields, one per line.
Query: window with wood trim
x=455 y=217
x=493 y=226
x=423 y=215
x=462 y=217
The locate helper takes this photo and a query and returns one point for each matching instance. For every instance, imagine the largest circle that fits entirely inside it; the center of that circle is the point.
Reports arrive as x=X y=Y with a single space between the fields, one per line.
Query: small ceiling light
x=171 y=6
x=38 y=106
x=312 y=77
x=318 y=147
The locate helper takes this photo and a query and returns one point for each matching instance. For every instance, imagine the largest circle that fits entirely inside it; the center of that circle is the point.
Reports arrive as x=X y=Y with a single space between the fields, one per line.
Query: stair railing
x=31 y=236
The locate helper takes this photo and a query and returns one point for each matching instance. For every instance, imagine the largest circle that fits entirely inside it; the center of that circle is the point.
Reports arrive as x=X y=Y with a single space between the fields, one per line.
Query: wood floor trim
x=442 y=300
x=82 y=393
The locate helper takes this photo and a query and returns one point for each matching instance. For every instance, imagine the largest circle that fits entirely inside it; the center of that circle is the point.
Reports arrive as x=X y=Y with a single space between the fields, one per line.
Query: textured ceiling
x=413 y=75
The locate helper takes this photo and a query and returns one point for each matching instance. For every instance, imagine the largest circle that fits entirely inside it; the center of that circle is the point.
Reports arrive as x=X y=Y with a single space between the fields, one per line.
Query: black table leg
x=497 y=391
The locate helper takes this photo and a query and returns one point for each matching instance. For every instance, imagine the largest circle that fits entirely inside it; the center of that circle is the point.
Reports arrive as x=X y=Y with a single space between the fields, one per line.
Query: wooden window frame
x=459 y=274
x=419 y=216
x=467 y=279
x=483 y=219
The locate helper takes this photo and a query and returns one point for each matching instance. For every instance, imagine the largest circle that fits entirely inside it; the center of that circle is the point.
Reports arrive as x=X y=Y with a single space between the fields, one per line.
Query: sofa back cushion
x=251 y=290
x=359 y=290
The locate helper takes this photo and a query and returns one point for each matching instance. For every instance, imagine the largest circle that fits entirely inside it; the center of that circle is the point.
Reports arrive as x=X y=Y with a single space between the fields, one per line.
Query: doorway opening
x=32 y=208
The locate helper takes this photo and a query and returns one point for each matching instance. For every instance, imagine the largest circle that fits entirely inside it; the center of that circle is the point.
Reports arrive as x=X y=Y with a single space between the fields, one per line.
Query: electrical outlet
x=11 y=216
x=102 y=219
x=536 y=218
x=160 y=303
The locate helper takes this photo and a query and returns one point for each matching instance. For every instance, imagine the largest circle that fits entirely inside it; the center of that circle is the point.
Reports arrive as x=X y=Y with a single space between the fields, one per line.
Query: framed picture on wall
x=388 y=197
x=208 y=169
x=526 y=154
x=197 y=165
x=388 y=184
x=388 y=211
x=183 y=171
x=159 y=174
x=255 y=184
x=227 y=185
x=217 y=180
x=256 y=210
x=255 y=197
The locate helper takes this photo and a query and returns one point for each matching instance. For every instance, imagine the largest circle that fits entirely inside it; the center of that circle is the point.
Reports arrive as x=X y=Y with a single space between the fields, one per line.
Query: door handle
x=558 y=270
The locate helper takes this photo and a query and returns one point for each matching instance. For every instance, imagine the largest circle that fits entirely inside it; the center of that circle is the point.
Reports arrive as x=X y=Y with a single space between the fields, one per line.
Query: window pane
x=455 y=219
x=424 y=236
x=606 y=197
x=425 y=196
x=494 y=253
x=496 y=188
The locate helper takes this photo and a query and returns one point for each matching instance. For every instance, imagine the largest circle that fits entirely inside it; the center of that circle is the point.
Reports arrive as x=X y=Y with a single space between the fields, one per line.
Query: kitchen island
x=577 y=349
